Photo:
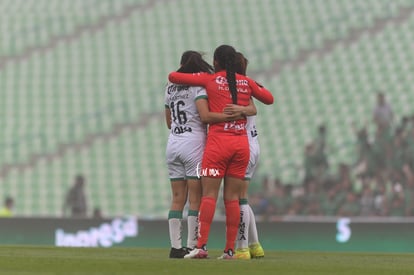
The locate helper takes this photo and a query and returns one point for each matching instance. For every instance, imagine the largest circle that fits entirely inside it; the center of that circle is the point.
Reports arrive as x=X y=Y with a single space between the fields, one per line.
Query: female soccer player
x=247 y=242
x=226 y=153
x=185 y=149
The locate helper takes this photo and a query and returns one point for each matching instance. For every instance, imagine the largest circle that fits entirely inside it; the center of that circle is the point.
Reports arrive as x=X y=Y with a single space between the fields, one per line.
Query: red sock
x=205 y=217
x=232 y=223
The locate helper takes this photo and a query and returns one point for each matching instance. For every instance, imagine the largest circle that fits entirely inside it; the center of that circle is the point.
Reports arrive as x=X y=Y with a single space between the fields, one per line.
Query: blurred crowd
x=380 y=182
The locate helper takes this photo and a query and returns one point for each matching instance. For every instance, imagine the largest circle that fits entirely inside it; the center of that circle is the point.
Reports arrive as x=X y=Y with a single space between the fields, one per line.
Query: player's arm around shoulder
x=195 y=79
x=212 y=117
x=260 y=93
x=249 y=110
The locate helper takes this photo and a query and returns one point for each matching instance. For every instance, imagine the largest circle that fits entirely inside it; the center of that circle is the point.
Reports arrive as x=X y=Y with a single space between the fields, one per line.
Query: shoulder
x=251 y=80
x=196 y=88
x=199 y=92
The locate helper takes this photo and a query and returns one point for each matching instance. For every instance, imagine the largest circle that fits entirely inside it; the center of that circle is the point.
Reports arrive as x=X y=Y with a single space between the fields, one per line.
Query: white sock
x=253 y=237
x=243 y=233
x=192 y=223
x=175 y=228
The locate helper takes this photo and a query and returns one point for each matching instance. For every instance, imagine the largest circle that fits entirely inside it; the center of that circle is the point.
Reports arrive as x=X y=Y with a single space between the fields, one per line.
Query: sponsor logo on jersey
x=182 y=129
x=239 y=90
x=233 y=125
x=176 y=88
x=221 y=80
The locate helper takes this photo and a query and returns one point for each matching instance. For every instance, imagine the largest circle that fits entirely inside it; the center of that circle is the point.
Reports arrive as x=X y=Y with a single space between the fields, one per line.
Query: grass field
x=52 y=260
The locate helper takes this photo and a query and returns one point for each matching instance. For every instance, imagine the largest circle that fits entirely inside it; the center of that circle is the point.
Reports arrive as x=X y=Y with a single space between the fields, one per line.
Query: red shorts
x=226 y=156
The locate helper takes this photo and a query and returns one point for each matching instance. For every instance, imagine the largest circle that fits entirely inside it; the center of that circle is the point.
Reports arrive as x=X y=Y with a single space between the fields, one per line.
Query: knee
x=179 y=198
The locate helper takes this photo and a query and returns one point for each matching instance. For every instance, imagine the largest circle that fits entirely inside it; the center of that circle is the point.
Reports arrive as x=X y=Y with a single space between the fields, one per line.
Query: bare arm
x=168 y=117
x=249 y=110
x=212 y=117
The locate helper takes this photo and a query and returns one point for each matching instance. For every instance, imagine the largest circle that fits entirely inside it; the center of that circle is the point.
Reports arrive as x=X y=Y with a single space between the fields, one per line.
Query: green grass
x=52 y=260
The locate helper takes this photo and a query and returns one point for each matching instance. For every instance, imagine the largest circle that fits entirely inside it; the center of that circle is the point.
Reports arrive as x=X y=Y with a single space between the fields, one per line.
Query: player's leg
x=194 y=200
x=176 y=174
x=231 y=203
x=242 y=241
x=175 y=215
x=214 y=164
x=213 y=168
x=256 y=250
x=193 y=152
x=232 y=186
x=210 y=187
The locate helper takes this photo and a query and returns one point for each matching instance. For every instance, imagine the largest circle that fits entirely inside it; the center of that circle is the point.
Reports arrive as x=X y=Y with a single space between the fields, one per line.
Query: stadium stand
x=82 y=87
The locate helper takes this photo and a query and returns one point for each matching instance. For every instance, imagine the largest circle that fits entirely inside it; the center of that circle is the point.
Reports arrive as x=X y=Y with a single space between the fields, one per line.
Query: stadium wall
x=327 y=234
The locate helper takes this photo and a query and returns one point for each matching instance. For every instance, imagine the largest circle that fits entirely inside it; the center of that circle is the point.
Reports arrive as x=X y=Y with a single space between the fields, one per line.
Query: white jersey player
x=184 y=152
x=188 y=134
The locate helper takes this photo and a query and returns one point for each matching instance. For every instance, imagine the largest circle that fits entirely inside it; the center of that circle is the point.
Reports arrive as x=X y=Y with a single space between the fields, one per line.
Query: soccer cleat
x=227 y=255
x=178 y=253
x=242 y=254
x=256 y=251
x=197 y=253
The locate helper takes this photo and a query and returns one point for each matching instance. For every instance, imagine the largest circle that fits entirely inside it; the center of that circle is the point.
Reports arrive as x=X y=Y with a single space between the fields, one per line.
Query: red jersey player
x=226 y=153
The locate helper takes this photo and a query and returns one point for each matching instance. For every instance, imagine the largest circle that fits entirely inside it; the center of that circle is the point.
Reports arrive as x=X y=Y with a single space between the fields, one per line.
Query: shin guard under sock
x=205 y=218
x=232 y=223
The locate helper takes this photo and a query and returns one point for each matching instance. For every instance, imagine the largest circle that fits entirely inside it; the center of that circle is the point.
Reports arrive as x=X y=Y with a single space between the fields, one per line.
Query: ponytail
x=225 y=56
x=231 y=76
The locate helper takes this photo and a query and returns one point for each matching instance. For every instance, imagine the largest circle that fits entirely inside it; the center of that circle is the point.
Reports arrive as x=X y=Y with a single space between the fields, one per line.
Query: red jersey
x=219 y=96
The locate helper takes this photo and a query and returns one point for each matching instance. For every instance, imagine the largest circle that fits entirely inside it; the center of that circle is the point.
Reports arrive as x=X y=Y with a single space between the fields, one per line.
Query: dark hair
x=225 y=58
x=193 y=62
x=240 y=64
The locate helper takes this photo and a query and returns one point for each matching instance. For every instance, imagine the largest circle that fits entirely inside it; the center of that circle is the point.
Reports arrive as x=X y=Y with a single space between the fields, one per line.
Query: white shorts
x=184 y=157
x=254 y=159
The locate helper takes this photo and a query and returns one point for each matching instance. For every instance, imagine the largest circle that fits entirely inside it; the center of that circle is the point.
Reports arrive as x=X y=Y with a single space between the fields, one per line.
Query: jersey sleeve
x=200 y=93
x=197 y=79
x=261 y=93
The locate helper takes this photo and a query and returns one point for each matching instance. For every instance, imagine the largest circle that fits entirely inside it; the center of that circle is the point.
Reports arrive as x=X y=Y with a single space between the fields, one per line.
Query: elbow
x=271 y=101
x=168 y=124
x=267 y=99
x=268 y=102
x=171 y=77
